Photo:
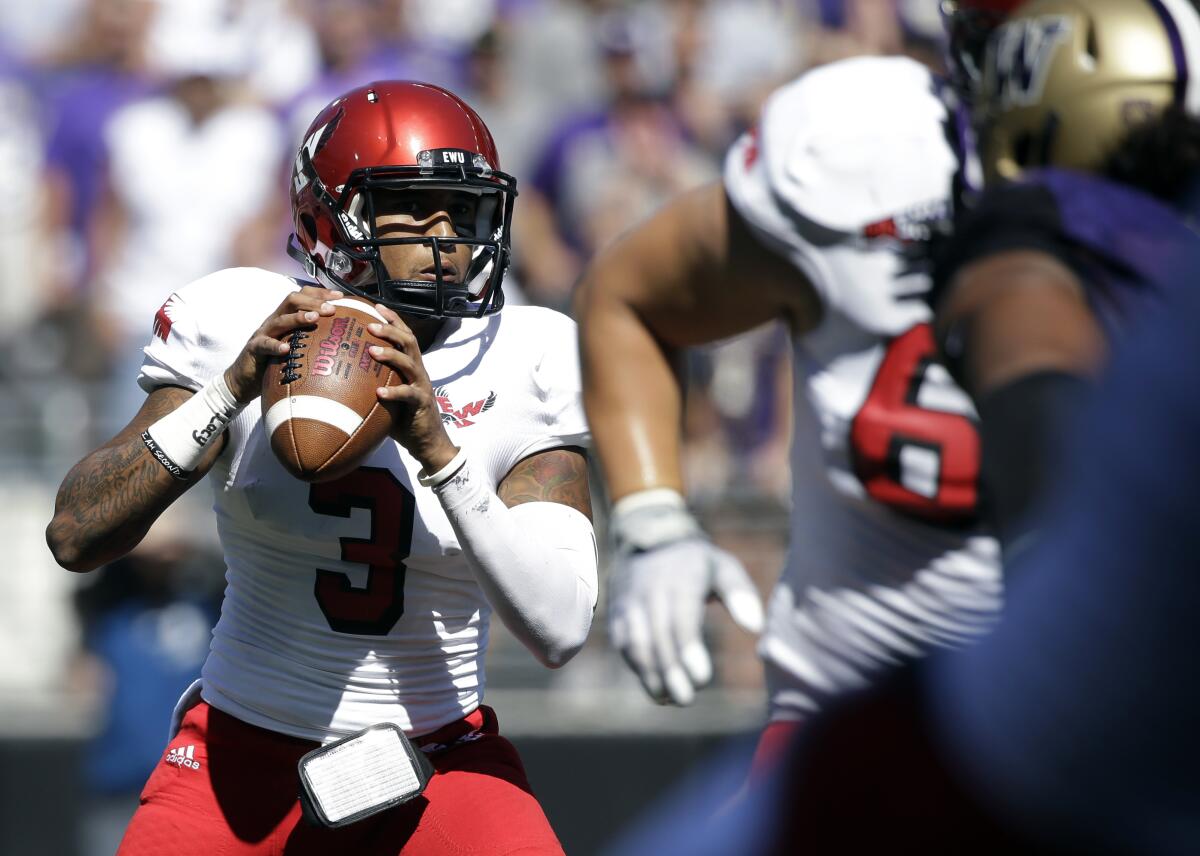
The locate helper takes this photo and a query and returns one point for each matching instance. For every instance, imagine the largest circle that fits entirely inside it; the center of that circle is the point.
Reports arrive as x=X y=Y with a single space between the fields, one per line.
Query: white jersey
x=349 y=602
x=848 y=165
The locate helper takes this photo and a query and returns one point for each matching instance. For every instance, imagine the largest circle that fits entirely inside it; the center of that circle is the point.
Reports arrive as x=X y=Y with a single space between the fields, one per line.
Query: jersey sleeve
x=201 y=328
x=559 y=420
x=843 y=154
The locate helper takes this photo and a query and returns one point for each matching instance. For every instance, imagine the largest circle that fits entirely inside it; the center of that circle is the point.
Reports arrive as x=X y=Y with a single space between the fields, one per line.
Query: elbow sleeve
x=536 y=564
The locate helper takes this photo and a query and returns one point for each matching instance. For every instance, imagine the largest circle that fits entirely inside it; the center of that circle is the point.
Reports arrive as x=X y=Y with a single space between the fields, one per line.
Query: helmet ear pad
x=400 y=135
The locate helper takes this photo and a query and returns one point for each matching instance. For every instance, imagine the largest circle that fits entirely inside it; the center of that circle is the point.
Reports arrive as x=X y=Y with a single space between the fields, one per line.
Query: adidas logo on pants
x=183 y=757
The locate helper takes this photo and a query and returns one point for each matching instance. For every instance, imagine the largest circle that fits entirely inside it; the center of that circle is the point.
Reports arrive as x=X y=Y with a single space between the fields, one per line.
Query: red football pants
x=231 y=789
x=773 y=745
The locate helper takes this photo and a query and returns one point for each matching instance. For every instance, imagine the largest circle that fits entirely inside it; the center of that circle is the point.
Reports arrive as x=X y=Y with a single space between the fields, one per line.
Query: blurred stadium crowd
x=144 y=143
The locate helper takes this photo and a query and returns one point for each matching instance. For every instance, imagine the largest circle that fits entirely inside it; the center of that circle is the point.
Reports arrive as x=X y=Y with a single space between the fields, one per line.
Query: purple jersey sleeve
x=1121 y=242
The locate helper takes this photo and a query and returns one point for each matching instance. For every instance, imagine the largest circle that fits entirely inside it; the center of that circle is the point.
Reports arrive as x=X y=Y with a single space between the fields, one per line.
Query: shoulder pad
x=203 y=326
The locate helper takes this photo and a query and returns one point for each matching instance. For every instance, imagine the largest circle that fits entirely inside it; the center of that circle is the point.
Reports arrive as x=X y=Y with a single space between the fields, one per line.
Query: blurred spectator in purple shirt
x=352 y=51
x=24 y=263
x=98 y=68
x=844 y=28
x=719 y=85
x=603 y=168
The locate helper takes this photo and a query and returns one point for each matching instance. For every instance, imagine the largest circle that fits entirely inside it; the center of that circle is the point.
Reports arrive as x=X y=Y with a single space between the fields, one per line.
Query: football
x=318 y=401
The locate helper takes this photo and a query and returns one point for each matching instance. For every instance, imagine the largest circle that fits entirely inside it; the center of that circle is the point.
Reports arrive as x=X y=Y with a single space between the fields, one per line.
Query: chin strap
x=297 y=252
x=456 y=302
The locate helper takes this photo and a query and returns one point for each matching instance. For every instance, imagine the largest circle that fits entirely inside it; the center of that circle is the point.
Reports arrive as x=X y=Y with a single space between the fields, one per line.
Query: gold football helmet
x=1065 y=80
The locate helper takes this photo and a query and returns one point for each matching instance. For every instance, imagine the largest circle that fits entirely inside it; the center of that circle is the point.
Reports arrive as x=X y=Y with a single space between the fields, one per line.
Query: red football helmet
x=968 y=24
x=400 y=136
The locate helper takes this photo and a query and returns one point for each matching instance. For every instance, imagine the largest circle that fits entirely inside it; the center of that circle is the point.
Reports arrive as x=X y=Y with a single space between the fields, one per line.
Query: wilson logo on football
x=327 y=348
x=465 y=415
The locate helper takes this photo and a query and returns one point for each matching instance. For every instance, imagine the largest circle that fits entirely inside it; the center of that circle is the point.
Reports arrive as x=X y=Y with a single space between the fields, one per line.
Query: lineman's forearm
x=633 y=399
x=693 y=273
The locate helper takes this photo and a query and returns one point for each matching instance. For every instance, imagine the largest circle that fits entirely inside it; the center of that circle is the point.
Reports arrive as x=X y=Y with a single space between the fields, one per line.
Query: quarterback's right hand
x=664 y=572
x=299 y=310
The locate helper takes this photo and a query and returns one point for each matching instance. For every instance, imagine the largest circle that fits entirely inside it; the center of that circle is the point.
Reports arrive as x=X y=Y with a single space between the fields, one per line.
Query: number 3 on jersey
x=918 y=460
x=374 y=609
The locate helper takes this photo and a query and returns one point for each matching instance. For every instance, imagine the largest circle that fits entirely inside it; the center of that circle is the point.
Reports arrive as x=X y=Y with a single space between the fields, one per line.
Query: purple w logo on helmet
x=1024 y=51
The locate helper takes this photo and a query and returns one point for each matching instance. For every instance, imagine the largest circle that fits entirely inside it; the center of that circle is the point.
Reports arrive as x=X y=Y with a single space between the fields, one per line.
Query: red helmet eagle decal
x=164 y=318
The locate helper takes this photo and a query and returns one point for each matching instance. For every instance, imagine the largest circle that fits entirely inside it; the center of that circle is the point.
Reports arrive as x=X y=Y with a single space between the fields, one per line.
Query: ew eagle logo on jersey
x=1023 y=53
x=462 y=416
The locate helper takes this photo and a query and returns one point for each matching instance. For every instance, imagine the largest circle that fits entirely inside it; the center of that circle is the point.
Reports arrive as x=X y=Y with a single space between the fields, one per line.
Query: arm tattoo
x=559 y=475
x=110 y=499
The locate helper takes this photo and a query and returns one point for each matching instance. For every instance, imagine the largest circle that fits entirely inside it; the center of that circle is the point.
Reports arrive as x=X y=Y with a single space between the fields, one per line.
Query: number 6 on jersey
x=918 y=460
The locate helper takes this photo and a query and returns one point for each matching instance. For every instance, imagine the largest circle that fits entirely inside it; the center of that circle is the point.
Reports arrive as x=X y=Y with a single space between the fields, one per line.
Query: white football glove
x=664 y=571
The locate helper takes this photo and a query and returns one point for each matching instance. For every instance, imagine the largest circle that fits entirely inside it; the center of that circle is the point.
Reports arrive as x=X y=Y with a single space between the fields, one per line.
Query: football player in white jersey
x=814 y=222
x=359 y=608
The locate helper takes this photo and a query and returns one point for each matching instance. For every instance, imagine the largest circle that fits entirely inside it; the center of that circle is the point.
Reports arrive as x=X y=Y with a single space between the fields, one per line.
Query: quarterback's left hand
x=416 y=419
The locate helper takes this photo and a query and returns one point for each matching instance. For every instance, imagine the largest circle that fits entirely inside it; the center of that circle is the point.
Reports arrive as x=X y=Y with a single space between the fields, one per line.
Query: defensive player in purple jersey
x=1089 y=147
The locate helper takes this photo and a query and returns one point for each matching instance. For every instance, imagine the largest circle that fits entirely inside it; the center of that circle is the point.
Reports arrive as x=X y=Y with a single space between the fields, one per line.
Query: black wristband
x=170 y=466
x=1023 y=427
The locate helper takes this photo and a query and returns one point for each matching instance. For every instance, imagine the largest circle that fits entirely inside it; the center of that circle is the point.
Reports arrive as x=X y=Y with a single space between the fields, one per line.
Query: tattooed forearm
x=559 y=475
x=110 y=499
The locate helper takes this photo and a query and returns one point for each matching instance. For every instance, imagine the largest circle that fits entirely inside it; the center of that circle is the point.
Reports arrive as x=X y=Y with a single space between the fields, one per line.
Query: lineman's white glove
x=664 y=571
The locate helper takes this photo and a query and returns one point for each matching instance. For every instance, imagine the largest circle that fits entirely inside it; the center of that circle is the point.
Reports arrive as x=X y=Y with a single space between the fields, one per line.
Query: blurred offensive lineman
x=812 y=223
x=366 y=599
